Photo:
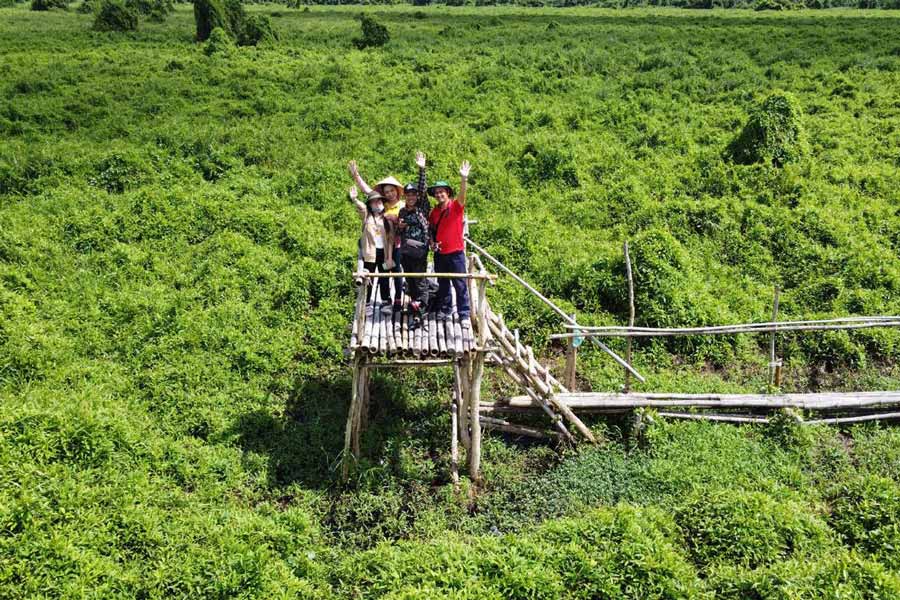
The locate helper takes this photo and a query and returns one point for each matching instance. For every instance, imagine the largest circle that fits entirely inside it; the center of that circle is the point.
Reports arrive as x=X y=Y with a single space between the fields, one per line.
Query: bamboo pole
x=474 y=422
x=628 y=273
x=712 y=417
x=507 y=427
x=858 y=419
x=432 y=335
x=571 y=360
x=817 y=401
x=391 y=275
x=461 y=378
x=555 y=308
x=781 y=326
x=403 y=363
x=454 y=431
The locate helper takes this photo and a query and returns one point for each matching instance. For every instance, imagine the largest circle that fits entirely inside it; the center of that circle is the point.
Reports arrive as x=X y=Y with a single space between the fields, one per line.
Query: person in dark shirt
x=415 y=239
x=447 y=241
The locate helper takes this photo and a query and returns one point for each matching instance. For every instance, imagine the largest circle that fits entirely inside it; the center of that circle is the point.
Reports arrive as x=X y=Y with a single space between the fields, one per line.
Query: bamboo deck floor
x=391 y=333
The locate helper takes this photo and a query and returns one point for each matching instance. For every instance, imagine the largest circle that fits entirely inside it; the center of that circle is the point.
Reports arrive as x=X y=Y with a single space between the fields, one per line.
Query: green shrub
x=747 y=529
x=774 y=134
x=219 y=42
x=257 y=28
x=374 y=34
x=156 y=10
x=115 y=15
x=49 y=4
x=209 y=14
x=832 y=575
x=865 y=511
x=88 y=7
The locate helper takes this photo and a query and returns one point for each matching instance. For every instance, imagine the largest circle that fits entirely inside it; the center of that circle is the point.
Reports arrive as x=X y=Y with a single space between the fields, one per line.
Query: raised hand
x=354 y=193
x=354 y=170
x=420 y=160
x=464 y=169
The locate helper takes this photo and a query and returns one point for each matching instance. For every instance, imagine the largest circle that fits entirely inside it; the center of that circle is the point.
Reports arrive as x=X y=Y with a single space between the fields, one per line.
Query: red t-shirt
x=449 y=222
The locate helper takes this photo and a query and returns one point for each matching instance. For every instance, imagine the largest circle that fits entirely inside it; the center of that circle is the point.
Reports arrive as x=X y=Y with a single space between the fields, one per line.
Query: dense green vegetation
x=175 y=251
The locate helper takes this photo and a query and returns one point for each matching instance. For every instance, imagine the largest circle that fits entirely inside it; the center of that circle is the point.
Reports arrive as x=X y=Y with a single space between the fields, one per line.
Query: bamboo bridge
x=382 y=338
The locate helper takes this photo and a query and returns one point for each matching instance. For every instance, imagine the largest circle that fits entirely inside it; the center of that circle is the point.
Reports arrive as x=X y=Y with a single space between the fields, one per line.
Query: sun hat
x=374 y=195
x=387 y=181
x=440 y=184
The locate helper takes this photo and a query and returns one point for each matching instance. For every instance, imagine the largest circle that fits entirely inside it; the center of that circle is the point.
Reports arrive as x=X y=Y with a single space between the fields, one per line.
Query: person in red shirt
x=446 y=221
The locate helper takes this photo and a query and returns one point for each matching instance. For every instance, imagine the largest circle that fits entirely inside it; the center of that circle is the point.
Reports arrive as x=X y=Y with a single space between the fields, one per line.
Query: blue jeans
x=455 y=262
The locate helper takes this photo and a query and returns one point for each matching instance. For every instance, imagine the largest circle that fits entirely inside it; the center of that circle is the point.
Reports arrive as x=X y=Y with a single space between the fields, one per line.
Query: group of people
x=399 y=227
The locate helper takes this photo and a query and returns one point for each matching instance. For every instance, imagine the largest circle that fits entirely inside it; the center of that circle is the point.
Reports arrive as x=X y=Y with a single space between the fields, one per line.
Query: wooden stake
x=351 y=417
x=630 y=315
x=772 y=363
x=454 y=436
x=571 y=360
x=474 y=422
x=461 y=382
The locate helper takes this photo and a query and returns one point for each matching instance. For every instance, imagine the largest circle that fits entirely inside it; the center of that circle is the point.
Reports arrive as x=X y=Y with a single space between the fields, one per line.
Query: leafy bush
x=156 y=10
x=89 y=6
x=49 y=4
x=257 y=28
x=748 y=529
x=865 y=511
x=774 y=134
x=374 y=34
x=226 y=14
x=115 y=15
x=219 y=42
x=833 y=575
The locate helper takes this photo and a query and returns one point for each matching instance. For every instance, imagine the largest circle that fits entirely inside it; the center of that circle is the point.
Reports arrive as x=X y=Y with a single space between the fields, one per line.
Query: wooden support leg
x=454 y=439
x=362 y=396
x=461 y=382
x=474 y=421
x=351 y=417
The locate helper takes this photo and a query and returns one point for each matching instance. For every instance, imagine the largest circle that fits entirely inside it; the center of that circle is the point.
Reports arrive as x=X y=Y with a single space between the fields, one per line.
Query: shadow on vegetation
x=303 y=444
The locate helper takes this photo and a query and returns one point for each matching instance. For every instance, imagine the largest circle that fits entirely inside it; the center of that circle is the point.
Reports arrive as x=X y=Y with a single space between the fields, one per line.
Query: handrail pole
x=554 y=307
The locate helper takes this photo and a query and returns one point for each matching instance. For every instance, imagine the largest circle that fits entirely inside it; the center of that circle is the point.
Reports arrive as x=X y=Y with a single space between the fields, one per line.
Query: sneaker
x=443 y=316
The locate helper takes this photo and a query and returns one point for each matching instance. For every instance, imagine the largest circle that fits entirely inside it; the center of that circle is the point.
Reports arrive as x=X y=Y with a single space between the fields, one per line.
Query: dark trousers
x=383 y=284
x=417 y=287
x=454 y=262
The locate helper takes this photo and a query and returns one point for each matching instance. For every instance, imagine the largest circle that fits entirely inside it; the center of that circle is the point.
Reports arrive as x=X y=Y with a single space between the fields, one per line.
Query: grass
x=175 y=251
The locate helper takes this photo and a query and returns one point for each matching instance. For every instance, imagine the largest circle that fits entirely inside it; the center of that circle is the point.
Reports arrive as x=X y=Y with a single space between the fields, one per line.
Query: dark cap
x=410 y=187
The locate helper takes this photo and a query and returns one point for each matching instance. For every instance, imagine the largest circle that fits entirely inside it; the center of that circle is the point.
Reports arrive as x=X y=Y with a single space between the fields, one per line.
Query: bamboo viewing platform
x=384 y=338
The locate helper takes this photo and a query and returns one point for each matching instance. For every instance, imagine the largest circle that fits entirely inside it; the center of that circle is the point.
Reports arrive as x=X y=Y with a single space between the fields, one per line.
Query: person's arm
x=464 y=173
x=360 y=207
x=354 y=173
x=422 y=202
x=388 y=245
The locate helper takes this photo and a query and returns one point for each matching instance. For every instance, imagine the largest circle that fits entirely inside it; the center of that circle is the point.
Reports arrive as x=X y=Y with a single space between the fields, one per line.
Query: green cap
x=437 y=185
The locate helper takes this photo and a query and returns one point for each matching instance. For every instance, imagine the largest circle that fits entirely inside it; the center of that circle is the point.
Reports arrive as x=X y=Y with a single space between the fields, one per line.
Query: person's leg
x=420 y=284
x=370 y=267
x=442 y=299
x=383 y=283
x=458 y=260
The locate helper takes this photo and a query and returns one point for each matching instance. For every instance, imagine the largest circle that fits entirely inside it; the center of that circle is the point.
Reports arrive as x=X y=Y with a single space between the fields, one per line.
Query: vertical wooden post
x=476 y=371
x=351 y=416
x=571 y=364
x=360 y=313
x=461 y=382
x=630 y=315
x=772 y=363
x=362 y=399
x=454 y=430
